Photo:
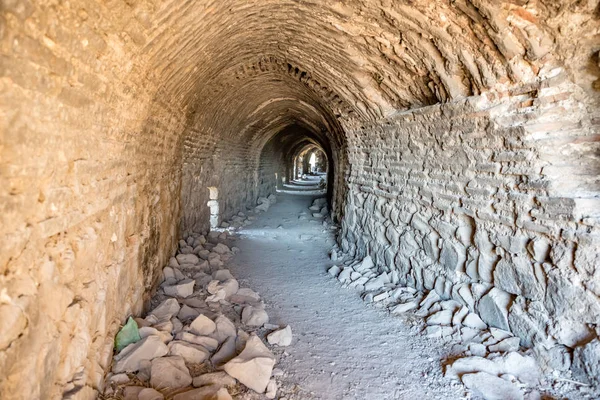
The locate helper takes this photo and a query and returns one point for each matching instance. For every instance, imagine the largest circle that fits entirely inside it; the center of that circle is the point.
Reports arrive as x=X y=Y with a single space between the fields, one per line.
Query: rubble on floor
x=199 y=341
x=486 y=357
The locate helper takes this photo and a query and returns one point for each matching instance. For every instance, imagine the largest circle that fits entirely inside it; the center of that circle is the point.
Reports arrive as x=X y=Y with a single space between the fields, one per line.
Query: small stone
x=187 y=313
x=344 y=275
x=334 y=271
x=225 y=353
x=491 y=387
x=165 y=310
x=478 y=349
x=168 y=273
x=184 y=288
x=254 y=316
x=187 y=259
x=132 y=392
x=443 y=317
x=506 y=345
x=224 y=329
x=191 y=353
x=119 y=379
x=281 y=337
x=221 y=249
x=253 y=366
x=213 y=392
x=207 y=342
x=245 y=296
x=202 y=326
x=150 y=394
x=472 y=320
x=173 y=262
x=404 y=307
x=222 y=275
x=169 y=373
x=221 y=379
x=271 y=392
x=365 y=264
x=129 y=359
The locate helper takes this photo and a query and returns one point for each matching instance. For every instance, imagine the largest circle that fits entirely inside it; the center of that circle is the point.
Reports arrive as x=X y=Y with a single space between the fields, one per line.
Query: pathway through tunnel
x=342 y=348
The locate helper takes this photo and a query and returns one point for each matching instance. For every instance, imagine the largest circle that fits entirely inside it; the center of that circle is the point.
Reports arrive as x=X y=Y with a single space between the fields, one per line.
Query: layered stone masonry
x=456 y=198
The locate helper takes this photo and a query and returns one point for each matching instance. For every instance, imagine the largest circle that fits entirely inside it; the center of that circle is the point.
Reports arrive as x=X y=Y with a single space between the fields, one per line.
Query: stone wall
x=492 y=201
x=117 y=116
x=89 y=193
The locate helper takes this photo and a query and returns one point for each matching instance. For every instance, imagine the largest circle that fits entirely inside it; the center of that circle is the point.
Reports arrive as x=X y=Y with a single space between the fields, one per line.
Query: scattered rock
x=184 y=288
x=271 y=392
x=225 y=353
x=254 y=316
x=253 y=366
x=191 y=353
x=165 y=310
x=404 y=307
x=491 y=387
x=203 y=326
x=221 y=379
x=207 y=342
x=187 y=259
x=169 y=373
x=128 y=360
x=213 y=392
x=222 y=275
x=281 y=337
x=150 y=394
x=224 y=328
x=334 y=271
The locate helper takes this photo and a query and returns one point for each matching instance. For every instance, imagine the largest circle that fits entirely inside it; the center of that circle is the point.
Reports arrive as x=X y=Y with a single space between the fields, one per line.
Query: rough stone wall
x=111 y=113
x=492 y=201
x=230 y=166
x=89 y=193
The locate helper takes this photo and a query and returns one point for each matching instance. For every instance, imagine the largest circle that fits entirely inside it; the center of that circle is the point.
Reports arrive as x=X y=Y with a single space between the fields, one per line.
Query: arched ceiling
x=261 y=65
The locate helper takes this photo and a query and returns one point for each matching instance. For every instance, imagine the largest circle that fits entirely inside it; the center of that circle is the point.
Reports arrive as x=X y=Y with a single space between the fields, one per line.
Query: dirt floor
x=342 y=347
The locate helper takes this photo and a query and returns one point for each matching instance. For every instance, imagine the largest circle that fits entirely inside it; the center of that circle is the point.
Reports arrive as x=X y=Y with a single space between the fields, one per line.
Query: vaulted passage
x=458 y=145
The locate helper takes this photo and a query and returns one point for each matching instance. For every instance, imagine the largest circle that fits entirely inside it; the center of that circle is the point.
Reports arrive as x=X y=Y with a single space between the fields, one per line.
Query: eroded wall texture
x=462 y=139
x=476 y=200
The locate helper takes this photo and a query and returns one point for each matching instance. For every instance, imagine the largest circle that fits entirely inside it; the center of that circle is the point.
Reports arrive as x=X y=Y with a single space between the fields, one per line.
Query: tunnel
x=458 y=143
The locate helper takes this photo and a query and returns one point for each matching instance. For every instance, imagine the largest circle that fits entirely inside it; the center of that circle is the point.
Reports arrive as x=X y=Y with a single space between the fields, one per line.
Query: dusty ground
x=342 y=348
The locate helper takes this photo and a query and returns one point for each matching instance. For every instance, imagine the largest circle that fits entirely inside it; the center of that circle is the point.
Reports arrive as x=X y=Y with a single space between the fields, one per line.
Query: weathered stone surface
x=222 y=379
x=187 y=259
x=169 y=373
x=213 y=392
x=150 y=394
x=165 y=310
x=184 y=288
x=129 y=359
x=225 y=353
x=281 y=337
x=224 y=328
x=493 y=308
x=490 y=387
x=208 y=343
x=522 y=367
x=203 y=326
x=191 y=353
x=253 y=366
x=586 y=361
x=254 y=316
x=517 y=276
